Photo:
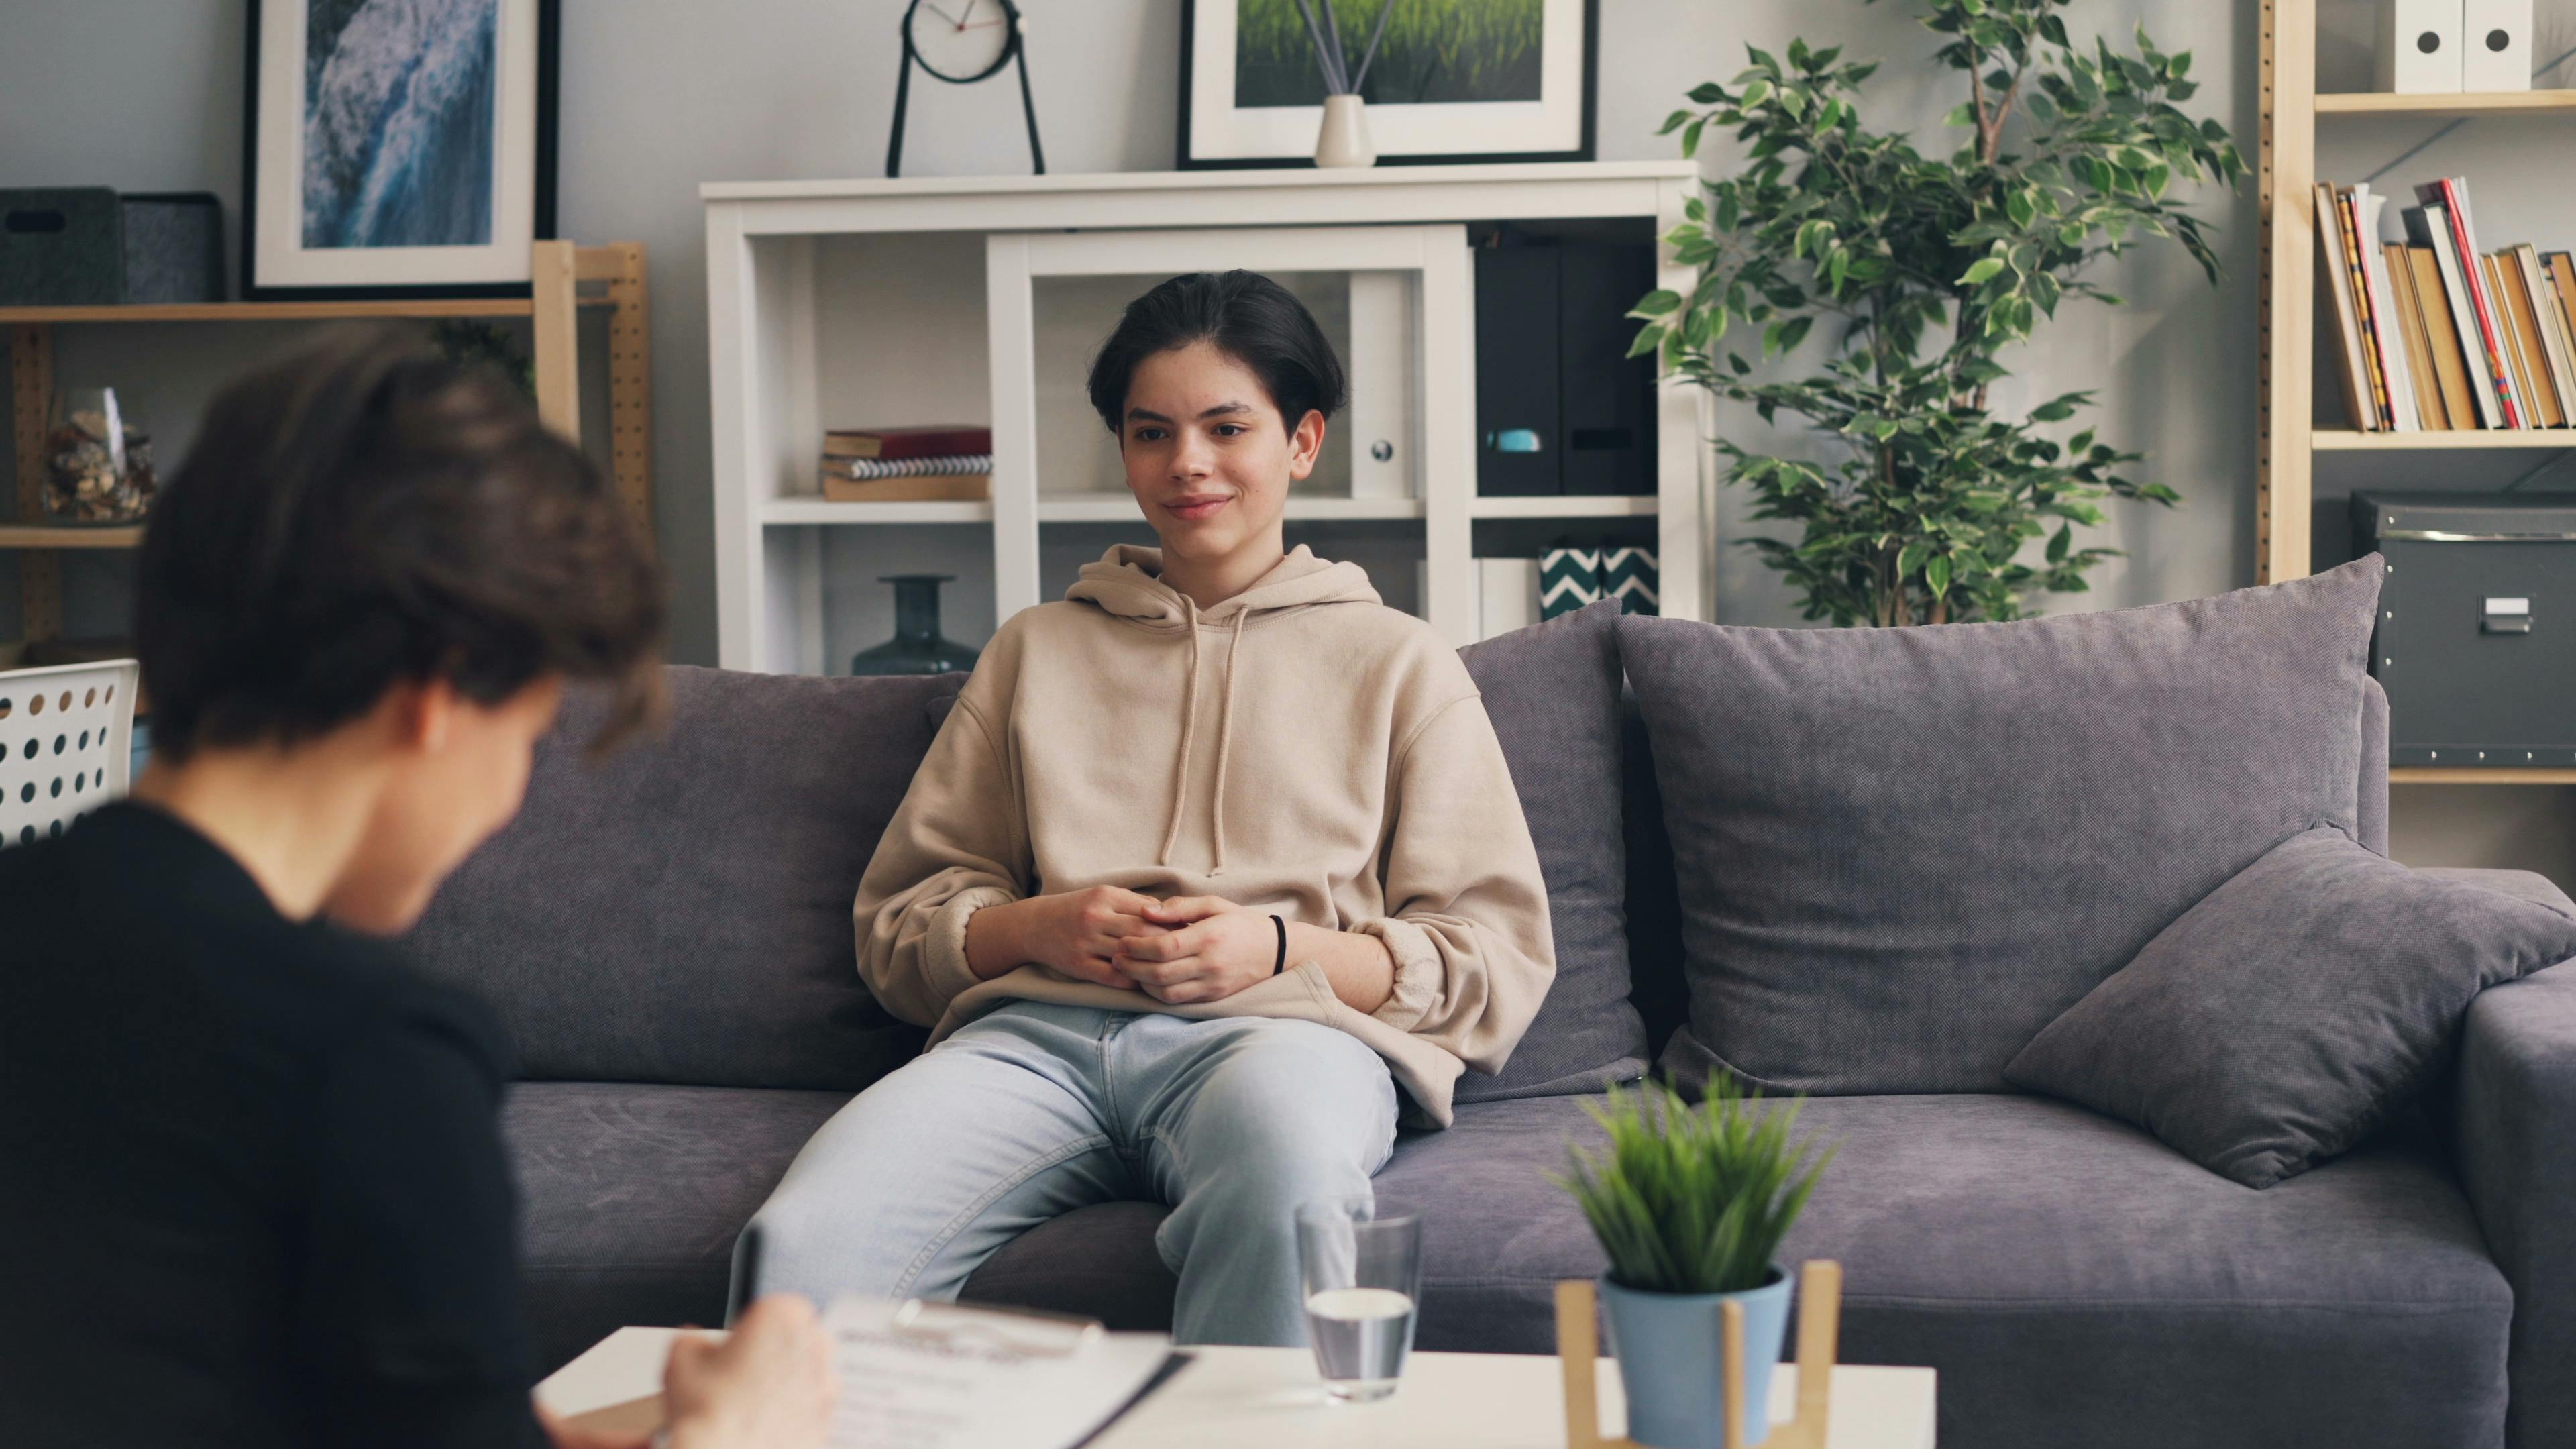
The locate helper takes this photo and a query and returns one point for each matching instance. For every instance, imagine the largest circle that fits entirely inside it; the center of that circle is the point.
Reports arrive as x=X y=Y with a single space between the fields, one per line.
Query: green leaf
x=1937 y=574
x=1980 y=271
x=2059 y=542
x=1649 y=337
x=1756 y=93
x=1656 y=303
x=1708 y=93
x=2019 y=206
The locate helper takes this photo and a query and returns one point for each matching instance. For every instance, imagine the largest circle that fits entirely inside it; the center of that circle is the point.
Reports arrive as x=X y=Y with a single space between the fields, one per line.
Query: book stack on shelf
x=2435 y=333
x=947 y=463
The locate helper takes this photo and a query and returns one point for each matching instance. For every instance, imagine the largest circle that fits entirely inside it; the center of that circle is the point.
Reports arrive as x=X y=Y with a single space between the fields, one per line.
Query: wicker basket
x=66 y=745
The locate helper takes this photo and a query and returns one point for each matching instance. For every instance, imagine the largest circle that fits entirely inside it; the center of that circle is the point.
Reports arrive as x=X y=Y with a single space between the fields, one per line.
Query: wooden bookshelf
x=2286 y=440
x=272 y=311
x=51 y=536
x=555 y=298
x=2346 y=440
x=2472 y=775
x=2454 y=103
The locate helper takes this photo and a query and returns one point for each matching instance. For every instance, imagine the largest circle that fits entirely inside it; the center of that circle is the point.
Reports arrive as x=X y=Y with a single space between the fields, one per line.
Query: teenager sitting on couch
x=1211 y=865
x=251 y=1183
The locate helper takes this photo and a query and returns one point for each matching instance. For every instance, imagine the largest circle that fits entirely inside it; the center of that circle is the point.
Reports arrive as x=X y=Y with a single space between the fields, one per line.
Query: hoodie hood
x=1128 y=582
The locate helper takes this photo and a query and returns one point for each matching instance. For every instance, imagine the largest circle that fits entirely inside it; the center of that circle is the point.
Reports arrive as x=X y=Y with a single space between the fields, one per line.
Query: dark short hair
x=1249 y=318
x=365 y=512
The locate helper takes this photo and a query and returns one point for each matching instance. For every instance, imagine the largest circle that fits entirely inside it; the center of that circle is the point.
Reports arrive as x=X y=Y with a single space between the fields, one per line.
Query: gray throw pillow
x=1901 y=852
x=1552 y=691
x=680 y=911
x=2290 y=1013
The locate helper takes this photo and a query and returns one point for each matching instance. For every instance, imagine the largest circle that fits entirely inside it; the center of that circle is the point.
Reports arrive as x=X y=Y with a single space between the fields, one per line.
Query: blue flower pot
x=1671 y=1360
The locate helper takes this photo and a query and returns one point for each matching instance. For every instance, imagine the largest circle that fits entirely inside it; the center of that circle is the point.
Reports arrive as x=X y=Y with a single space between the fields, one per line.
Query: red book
x=930 y=442
x=2451 y=193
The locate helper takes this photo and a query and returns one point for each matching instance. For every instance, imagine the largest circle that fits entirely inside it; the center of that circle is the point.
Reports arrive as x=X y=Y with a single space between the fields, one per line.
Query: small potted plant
x=1690 y=1205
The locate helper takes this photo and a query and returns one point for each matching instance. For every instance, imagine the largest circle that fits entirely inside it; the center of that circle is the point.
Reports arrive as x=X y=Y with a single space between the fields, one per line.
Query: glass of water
x=1362 y=1267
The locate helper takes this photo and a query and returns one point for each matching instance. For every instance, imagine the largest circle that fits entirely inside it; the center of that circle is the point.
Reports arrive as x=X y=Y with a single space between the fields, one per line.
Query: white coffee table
x=1268 y=1398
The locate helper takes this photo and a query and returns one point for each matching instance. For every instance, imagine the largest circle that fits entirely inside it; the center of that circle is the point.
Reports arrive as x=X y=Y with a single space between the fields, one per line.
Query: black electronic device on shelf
x=2476 y=640
x=1560 y=406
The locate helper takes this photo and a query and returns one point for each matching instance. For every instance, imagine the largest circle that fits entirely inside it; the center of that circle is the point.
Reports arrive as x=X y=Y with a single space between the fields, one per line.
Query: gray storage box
x=61 y=246
x=86 y=246
x=174 y=246
x=2477 y=625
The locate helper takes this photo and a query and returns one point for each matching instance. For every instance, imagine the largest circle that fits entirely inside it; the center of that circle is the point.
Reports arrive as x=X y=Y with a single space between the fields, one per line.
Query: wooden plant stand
x=1820 y=1303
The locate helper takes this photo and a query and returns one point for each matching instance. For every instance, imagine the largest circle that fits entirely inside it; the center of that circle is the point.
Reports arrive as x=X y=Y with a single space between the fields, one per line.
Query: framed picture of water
x=1448 y=80
x=397 y=148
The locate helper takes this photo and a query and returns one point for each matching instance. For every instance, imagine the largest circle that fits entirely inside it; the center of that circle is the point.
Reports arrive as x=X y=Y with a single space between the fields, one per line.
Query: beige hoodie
x=1298 y=748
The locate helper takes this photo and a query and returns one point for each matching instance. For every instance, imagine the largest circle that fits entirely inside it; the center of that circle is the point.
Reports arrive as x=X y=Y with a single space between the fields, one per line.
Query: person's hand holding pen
x=767 y=1384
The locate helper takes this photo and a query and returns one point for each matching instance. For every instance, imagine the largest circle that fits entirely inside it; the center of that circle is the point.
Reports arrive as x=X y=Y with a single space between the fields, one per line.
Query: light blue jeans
x=1036 y=1109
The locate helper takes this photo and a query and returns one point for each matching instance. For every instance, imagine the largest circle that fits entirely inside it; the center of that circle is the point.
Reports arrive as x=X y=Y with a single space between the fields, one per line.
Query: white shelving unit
x=978 y=300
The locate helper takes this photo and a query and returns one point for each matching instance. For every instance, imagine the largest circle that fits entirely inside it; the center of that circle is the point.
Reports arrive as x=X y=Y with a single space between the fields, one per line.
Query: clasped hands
x=1184 y=949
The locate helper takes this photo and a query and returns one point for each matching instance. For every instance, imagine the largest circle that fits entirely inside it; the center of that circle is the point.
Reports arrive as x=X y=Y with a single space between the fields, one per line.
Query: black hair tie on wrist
x=1282 y=963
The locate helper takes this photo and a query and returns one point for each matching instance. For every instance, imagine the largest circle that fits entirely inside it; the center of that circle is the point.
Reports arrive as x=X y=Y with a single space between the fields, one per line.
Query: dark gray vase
x=916 y=647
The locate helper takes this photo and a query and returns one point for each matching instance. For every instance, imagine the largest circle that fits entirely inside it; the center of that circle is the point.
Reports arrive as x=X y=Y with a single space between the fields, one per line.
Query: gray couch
x=667 y=936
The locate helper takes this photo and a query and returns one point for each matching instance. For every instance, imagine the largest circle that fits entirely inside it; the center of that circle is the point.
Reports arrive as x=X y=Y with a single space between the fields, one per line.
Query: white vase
x=1344 y=139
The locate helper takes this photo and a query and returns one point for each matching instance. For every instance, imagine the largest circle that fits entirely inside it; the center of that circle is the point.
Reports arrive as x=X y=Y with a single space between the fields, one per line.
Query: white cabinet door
x=1408 y=439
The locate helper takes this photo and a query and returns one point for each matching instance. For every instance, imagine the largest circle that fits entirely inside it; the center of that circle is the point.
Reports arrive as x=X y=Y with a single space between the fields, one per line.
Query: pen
x=746 y=1273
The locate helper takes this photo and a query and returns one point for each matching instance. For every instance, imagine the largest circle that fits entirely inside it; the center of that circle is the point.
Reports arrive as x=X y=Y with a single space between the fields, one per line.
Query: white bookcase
x=979 y=300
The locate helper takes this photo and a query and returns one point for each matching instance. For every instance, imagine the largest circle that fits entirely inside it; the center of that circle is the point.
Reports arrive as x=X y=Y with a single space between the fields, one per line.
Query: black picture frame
x=543 y=159
x=1185 y=161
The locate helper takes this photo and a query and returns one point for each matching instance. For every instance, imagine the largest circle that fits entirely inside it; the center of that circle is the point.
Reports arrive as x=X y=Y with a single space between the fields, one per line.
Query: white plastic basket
x=66 y=745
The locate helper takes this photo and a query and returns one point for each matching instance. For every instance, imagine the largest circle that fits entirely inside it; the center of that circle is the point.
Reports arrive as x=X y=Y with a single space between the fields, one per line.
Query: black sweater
x=251 y=1186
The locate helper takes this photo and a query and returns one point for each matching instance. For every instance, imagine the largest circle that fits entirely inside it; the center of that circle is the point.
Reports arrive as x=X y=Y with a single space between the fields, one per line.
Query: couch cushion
x=2042 y=1258
x=1901 y=852
x=630 y=1198
x=2294 y=1009
x=2039 y=1255
x=680 y=912
x=1552 y=691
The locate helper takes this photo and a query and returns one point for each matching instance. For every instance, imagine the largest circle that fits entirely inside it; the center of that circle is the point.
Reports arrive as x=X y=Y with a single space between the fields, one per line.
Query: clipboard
x=981 y=1343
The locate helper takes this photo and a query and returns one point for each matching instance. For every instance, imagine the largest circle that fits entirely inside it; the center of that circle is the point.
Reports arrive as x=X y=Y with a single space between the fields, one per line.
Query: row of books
x=2435 y=332
x=949 y=463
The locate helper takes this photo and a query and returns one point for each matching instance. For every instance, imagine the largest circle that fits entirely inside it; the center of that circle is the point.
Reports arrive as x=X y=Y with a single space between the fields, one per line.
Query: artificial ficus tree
x=1924 y=271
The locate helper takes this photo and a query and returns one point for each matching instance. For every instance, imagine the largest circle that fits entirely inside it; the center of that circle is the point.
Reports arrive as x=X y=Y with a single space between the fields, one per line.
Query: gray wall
x=659 y=95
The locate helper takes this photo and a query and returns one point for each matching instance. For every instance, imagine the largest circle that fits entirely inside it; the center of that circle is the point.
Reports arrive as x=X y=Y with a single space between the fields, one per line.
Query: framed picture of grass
x=1451 y=80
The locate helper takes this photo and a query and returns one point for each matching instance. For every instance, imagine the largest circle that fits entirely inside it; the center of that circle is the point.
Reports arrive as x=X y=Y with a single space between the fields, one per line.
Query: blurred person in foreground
x=251 y=1177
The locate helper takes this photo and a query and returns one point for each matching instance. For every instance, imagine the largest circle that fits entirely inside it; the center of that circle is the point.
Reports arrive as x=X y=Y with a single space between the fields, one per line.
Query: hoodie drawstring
x=1224 y=737
x=1189 y=723
x=1189 y=726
